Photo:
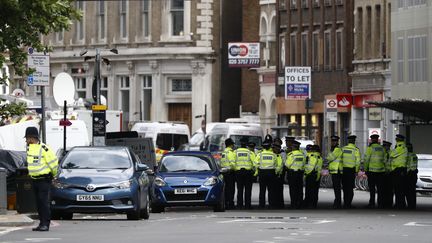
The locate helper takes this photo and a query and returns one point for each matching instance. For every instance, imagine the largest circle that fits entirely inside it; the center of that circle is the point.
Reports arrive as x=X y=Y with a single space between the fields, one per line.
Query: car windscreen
x=167 y=141
x=97 y=159
x=185 y=163
x=255 y=139
x=425 y=163
x=197 y=139
x=216 y=142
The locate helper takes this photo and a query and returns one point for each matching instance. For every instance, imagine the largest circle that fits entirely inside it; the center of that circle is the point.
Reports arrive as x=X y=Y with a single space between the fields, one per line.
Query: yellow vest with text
x=334 y=159
x=374 y=158
x=228 y=159
x=41 y=160
x=266 y=160
x=351 y=157
x=399 y=156
x=244 y=159
x=296 y=160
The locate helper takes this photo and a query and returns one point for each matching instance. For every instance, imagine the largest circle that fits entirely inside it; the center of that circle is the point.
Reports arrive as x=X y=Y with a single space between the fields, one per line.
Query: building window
x=339 y=2
x=123 y=18
x=400 y=59
x=282 y=4
x=79 y=25
x=146 y=97
x=104 y=87
x=339 y=43
x=293 y=3
x=417 y=58
x=145 y=18
x=293 y=47
x=80 y=87
x=304 y=3
x=327 y=50
x=59 y=36
x=124 y=99
x=181 y=85
x=315 y=51
x=101 y=19
x=177 y=17
x=316 y=3
x=282 y=52
x=305 y=49
x=327 y=2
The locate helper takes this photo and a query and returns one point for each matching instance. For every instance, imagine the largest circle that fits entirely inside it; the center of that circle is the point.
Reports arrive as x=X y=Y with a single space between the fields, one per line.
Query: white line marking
x=418 y=224
x=6 y=230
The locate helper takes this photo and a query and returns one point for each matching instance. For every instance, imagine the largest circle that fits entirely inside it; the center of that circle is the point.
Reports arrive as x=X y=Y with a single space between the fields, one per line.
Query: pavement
x=14 y=219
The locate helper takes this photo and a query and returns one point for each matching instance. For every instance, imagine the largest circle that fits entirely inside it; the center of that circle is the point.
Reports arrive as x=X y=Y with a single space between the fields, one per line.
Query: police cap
x=31 y=132
x=316 y=147
x=296 y=143
x=277 y=141
x=400 y=136
x=229 y=142
x=387 y=143
x=334 y=138
x=309 y=147
x=289 y=138
x=374 y=136
x=251 y=144
x=352 y=137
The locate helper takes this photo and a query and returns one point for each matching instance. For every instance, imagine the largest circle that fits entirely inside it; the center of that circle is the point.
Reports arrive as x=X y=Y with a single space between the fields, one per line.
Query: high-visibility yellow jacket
x=279 y=164
x=244 y=159
x=41 y=160
x=387 y=161
x=412 y=161
x=334 y=159
x=399 y=156
x=296 y=160
x=374 y=158
x=266 y=160
x=314 y=164
x=351 y=157
x=228 y=159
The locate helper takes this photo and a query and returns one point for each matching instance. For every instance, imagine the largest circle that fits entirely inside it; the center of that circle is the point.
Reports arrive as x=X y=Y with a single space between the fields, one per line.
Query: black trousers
x=399 y=180
x=229 y=179
x=337 y=188
x=244 y=187
x=387 y=191
x=348 y=183
x=410 y=189
x=266 y=183
x=375 y=184
x=311 y=190
x=296 y=188
x=278 y=192
x=42 y=190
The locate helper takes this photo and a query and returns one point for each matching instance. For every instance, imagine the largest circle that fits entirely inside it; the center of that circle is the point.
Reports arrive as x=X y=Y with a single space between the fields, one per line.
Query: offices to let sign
x=297 y=83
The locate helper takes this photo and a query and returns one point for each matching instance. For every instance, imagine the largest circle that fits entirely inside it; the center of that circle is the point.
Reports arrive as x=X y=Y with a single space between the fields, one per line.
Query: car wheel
x=59 y=215
x=145 y=212
x=55 y=215
x=136 y=213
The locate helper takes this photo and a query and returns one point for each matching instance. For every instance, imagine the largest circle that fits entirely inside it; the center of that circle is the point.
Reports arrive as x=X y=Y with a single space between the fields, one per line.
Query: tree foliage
x=22 y=23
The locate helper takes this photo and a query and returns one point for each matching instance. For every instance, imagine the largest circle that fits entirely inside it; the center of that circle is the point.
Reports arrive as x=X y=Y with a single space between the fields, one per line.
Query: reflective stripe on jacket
x=41 y=160
x=296 y=160
x=351 y=157
x=334 y=159
x=412 y=161
x=374 y=158
x=228 y=158
x=399 y=156
x=244 y=159
x=266 y=160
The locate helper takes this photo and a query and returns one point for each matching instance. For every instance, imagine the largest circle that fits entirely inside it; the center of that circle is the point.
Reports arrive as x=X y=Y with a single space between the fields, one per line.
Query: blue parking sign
x=30 y=79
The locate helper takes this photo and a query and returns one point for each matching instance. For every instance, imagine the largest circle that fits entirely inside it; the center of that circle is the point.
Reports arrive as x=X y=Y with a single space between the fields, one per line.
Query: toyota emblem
x=90 y=187
x=185 y=181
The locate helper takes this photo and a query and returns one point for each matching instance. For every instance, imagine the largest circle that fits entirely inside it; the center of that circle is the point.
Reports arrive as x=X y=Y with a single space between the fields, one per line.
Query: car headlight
x=123 y=184
x=59 y=185
x=159 y=182
x=211 y=181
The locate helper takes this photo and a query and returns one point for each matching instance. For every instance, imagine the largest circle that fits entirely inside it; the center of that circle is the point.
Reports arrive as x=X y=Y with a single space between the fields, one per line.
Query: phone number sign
x=244 y=54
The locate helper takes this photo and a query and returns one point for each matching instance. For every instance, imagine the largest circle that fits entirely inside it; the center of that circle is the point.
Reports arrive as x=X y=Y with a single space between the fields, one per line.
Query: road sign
x=65 y=123
x=331 y=109
x=40 y=62
x=297 y=83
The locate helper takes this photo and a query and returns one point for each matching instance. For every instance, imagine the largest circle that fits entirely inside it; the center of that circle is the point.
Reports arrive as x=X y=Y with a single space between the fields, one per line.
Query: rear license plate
x=185 y=191
x=89 y=198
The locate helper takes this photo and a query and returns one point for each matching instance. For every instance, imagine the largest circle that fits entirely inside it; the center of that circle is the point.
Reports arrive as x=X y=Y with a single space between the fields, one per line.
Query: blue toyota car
x=187 y=178
x=101 y=180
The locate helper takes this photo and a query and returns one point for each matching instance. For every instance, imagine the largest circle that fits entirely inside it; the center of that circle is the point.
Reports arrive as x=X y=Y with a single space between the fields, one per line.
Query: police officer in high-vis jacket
x=312 y=176
x=42 y=165
x=244 y=170
x=351 y=164
x=399 y=158
x=228 y=162
x=295 y=164
x=374 y=166
x=387 y=180
x=334 y=159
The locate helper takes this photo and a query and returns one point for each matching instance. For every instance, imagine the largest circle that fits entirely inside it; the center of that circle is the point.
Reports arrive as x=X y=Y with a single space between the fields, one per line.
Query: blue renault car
x=187 y=178
x=101 y=180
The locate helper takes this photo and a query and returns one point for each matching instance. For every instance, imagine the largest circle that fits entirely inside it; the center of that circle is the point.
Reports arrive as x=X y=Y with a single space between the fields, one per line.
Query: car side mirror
x=142 y=167
x=150 y=172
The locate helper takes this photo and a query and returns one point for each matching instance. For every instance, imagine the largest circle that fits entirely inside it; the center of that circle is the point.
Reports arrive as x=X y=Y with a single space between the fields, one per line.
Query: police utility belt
x=40 y=177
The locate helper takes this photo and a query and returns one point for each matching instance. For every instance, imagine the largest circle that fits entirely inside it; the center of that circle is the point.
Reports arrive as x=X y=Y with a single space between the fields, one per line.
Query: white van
x=216 y=137
x=166 y=136
x=76 y=134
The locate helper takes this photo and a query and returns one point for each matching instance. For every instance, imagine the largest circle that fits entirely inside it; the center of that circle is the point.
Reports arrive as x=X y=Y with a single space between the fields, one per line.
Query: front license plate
x=185 y=191
x=89 y=198
x=428 y=185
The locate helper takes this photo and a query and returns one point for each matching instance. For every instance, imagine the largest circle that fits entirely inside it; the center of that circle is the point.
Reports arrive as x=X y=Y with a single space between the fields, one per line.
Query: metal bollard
x=3 y=191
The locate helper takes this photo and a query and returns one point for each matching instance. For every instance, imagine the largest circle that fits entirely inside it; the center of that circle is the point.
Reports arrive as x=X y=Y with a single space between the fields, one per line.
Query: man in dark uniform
x=279 y=180
x=295 y=164
x=334 y=159
x=411 y=178
x=244 y=170
x=351 y=164
x=228 y=162
x=42 y=165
